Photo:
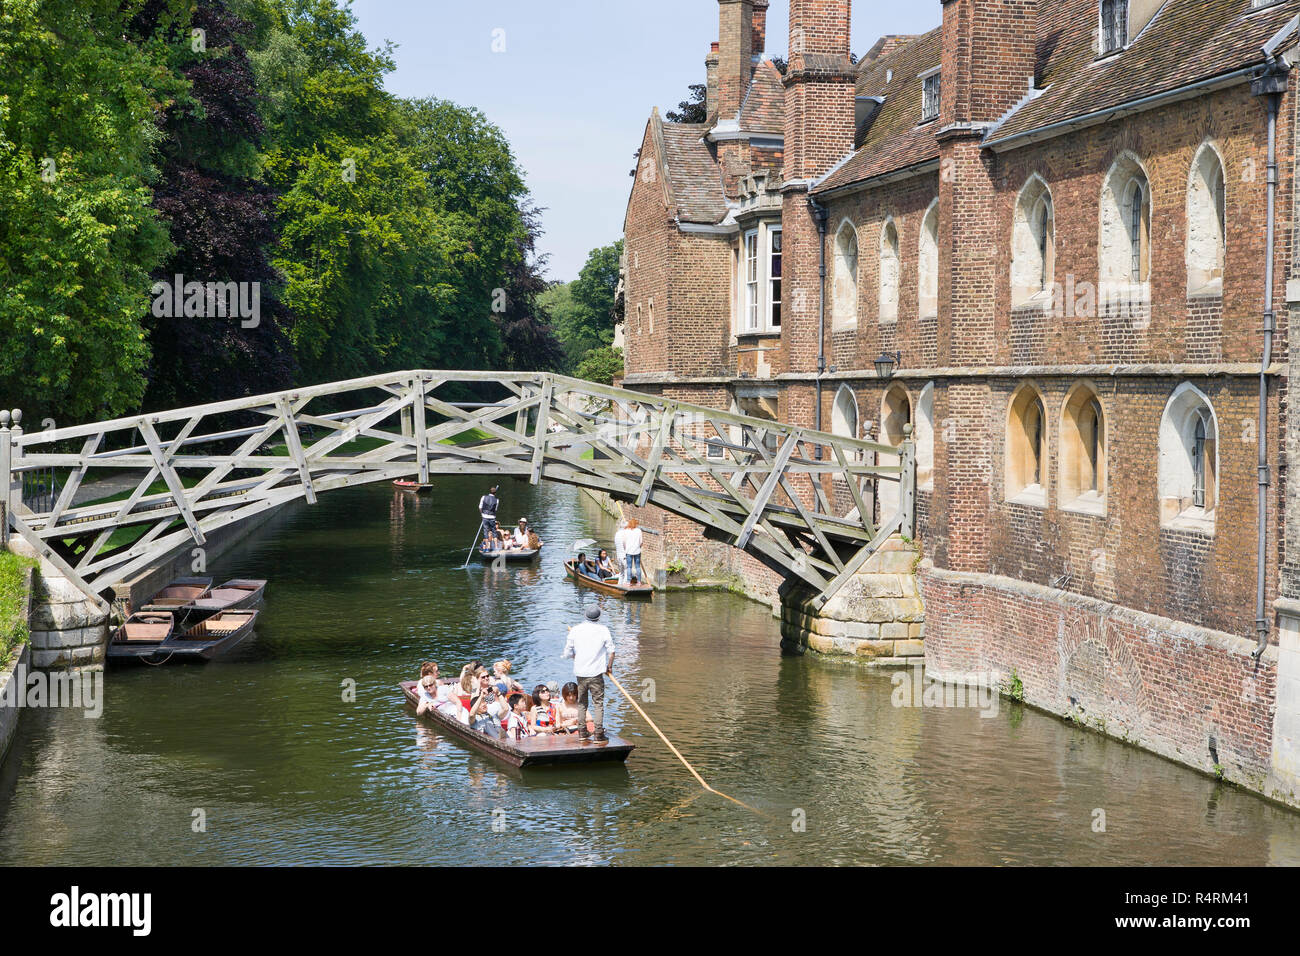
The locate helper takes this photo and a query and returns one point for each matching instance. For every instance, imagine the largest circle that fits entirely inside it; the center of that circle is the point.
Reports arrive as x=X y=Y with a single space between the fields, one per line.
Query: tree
x=693 y=109
x=601 y=365
x=78 y=236
x=209 y=183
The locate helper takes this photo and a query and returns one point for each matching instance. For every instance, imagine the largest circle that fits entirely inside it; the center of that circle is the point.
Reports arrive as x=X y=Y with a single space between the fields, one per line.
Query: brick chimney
x=711 y=88
x=760 y=26
x=990 y=52
x=735 y=54
x=989 y=57
x=819 y=83
x=819 y=124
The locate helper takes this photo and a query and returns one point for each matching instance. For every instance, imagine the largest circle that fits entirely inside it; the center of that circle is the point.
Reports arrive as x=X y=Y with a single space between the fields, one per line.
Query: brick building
x=1052 y=217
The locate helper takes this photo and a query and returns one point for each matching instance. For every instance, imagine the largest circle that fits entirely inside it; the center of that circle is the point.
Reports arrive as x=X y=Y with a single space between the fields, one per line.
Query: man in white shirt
x=592 y=648
x=620 y=550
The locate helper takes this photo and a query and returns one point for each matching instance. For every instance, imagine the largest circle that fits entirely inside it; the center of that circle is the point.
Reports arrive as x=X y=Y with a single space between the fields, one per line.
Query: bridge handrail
x=395 y=379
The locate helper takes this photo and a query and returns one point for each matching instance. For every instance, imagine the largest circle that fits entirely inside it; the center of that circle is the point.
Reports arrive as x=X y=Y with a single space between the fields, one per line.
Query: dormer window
x=1114 y=26
x=930 y=96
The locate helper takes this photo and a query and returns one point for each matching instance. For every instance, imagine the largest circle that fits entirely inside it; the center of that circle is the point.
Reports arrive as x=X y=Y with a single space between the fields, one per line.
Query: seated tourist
x=487 y=708
x=567 y=712
x=521 y=534
x=426 y=688
x=542 y=717
x=501 y=678
x=605 y=565
x=465 y=688
x=518 y=725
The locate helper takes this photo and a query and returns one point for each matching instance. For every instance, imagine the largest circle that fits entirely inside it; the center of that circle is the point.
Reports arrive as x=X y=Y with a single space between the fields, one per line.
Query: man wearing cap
x=592 y=648
x=487 y=510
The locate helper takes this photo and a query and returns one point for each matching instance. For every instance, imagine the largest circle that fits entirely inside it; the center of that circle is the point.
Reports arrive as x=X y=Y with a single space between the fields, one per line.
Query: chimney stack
x=990 y=55
x=735 y=54
x=711 y=71
x=760 y=27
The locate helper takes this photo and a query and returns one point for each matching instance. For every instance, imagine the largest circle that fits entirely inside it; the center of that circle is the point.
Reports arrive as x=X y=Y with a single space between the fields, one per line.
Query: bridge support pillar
x=877 y=617
x=68 y=631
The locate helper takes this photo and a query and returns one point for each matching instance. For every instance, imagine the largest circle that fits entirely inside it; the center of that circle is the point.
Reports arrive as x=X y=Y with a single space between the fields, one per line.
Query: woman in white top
x=632 y=545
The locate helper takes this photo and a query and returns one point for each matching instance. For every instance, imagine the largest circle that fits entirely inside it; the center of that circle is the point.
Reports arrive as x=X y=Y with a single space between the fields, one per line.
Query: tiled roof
x=763 y=110
x=693 y=174
x=1189 y=40
x=895 y=140
x=887 y=45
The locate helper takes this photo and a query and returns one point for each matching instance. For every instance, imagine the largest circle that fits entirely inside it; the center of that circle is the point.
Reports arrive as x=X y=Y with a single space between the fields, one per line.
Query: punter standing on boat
x=487 y=509
x=620 y=549
x=592 y=648
x=632 y=545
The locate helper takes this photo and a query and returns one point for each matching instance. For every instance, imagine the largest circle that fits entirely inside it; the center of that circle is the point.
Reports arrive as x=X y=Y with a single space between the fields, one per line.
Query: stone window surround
x=1176 y=477
x=761 y=229
x=1074 y=497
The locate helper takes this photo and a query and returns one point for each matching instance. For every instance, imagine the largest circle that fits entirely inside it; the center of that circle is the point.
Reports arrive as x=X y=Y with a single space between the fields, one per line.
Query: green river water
x=369 y=582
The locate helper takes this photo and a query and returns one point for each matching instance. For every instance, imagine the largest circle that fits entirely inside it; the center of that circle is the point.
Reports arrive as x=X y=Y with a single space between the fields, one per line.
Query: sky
x=572 y=82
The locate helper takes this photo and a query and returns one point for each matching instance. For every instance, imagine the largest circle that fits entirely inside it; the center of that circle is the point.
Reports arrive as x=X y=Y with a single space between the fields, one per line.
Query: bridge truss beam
x=180 y=475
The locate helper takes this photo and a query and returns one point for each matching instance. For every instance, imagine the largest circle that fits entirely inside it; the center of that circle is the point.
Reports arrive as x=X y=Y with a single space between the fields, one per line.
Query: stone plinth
x=68 y=629
x=878 y=617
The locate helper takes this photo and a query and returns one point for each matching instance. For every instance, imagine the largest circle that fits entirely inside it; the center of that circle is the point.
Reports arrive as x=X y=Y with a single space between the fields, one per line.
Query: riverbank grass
x=13 y=603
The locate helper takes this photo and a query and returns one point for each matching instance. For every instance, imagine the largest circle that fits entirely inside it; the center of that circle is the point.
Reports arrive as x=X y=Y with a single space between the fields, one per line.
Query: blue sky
x=575 y=84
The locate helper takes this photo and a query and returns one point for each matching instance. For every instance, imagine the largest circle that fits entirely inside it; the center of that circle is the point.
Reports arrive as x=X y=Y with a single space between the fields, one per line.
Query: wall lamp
x=886 y=364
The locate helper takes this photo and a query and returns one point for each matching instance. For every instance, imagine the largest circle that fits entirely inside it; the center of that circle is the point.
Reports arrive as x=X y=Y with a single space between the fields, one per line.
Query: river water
x=264 y=757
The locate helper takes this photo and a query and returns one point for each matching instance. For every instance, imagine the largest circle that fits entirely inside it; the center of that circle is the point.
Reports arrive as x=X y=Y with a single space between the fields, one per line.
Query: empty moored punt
x=176 y=595
x=141 y=635
x=520 y=556
x=212 y=637
x=608 y=585
x=153 y=637
x=237 y=595
x=530 y=751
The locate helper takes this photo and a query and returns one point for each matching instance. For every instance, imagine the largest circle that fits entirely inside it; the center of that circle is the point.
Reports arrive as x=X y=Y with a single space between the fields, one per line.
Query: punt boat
x=176 y=595
x=608 y=585
x=237 y=595
x=141 y=635
x=521 y=556
x=414 y=487
x=153 y=637
x=212 y=637
x=530 y=751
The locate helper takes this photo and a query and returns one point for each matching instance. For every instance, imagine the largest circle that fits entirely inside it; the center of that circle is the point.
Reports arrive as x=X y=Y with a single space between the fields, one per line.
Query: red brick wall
x=649 y=231
x=1164 y=686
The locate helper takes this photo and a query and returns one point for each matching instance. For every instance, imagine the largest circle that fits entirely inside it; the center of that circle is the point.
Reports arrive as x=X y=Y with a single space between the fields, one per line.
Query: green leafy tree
x=586 y=313
x=601 y=365
x=78 y=236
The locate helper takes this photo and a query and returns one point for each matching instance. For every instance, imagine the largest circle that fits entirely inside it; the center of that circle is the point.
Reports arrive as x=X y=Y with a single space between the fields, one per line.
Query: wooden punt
x=236 y=595
x=545 y=749
x=512 y=557
x=414 y=487
x=141 y=635
x=609 y=585
x=176 y=595
x=212 y=637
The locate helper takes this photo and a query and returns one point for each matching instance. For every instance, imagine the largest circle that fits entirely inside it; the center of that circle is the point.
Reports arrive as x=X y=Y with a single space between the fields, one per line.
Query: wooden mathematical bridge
x=760 y=485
